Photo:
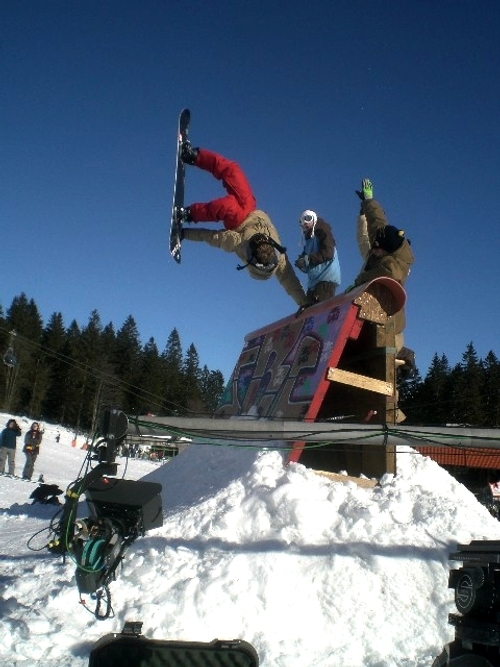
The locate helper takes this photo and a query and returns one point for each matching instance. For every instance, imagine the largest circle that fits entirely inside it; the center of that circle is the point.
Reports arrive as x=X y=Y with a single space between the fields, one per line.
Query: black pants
x=29 y=465
x=322 y=291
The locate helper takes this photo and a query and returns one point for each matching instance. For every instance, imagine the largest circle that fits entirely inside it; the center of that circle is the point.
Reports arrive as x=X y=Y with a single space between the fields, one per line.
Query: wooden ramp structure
x=335 y=361
x=325 y=378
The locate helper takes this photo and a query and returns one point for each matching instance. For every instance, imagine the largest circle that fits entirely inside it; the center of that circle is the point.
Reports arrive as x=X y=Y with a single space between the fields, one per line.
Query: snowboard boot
x=188 y=153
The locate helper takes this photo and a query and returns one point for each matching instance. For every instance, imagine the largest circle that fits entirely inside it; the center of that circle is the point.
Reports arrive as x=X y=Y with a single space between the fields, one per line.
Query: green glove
x=366 y=191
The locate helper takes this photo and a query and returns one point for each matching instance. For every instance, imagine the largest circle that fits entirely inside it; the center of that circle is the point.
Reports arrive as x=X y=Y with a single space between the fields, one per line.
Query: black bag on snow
x=129 y=650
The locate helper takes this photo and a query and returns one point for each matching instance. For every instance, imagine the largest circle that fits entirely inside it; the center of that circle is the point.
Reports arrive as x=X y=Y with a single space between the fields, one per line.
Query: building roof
x=462 y=457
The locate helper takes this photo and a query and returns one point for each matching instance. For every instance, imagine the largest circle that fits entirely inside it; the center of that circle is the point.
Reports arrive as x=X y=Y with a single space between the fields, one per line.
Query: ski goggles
x=308 y=219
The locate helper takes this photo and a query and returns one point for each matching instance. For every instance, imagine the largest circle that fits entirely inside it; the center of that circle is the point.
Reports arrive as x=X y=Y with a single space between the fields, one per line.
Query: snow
x=312 y=572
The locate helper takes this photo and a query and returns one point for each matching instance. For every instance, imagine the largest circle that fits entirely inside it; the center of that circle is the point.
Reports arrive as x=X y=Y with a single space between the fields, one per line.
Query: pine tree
x=127 y=355
x=409 y=392
x=75 y=379
x=433 y=396
x=95 y=357
x=151 y=379
x=109 y=390
x=53 y=344
x=490 y=391
x=28 y=388
x=192 y=376
x=173 y=374
x=467 y=383
x=211 y=388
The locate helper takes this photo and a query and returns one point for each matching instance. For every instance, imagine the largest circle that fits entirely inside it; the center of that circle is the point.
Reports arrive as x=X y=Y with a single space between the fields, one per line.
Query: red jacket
x=237 y=204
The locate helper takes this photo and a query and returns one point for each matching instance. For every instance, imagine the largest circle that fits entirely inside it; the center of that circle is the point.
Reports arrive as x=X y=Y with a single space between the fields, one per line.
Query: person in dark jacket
x=384 y=248
x=319 y=259
x=386 y=252
x=248 y=232
x=31 y=449
x=8 y=446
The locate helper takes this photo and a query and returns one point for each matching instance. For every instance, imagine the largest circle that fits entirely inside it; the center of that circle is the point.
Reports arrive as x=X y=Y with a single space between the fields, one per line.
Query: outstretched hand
x=366 y=191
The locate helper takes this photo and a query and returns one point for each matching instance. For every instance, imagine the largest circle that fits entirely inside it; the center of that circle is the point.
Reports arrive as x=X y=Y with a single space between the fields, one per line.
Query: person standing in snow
x=8 y=446
x=248 y=231
x=319 y=259
x=31 y=449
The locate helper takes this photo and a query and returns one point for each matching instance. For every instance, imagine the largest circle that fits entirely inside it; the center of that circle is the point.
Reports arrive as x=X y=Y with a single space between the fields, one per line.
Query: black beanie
x=389 y=238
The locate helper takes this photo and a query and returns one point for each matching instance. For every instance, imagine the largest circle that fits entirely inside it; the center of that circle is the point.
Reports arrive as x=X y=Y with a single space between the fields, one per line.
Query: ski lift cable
x=235 y=436
x=98 y=374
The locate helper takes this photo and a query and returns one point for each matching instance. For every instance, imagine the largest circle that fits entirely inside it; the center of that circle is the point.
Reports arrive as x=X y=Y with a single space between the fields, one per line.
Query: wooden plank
x=345 y=479
x=360 y=381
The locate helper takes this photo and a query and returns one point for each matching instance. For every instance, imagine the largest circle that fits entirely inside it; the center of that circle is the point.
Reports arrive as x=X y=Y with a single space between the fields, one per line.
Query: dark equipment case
x=131 y=649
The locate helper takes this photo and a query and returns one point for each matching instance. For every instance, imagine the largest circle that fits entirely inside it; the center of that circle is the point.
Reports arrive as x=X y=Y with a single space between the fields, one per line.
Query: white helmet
x=308 y=219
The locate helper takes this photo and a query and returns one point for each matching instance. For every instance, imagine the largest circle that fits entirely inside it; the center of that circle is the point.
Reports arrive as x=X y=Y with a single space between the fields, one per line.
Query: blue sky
x=309 y=97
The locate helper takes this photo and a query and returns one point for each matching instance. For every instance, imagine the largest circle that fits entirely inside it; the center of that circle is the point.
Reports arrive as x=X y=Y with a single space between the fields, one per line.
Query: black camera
x=477 y=598
x=120 y=511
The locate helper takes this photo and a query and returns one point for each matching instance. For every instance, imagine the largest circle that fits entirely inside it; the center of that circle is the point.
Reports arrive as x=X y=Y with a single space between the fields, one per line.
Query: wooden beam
x=360 y=381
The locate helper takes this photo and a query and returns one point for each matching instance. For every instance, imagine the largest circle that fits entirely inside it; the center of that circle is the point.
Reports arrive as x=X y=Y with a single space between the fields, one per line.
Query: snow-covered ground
x=311 y=572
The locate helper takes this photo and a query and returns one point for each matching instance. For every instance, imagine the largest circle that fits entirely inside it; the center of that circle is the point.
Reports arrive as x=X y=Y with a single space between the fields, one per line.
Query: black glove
x=183 y=214
x=189 y=153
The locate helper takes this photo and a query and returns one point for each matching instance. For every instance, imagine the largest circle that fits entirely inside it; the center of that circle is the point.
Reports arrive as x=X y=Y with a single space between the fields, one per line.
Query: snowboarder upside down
x=248 y=232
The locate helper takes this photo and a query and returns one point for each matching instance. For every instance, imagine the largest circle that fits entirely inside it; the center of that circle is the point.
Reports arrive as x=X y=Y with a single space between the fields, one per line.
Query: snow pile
x=312 y=572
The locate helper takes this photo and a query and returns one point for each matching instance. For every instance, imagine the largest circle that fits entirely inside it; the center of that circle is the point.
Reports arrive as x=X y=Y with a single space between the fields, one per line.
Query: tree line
x=66 y=374
x=467 y=393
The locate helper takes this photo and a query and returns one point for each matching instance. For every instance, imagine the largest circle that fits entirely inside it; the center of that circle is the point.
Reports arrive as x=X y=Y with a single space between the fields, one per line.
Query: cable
x=110 y=380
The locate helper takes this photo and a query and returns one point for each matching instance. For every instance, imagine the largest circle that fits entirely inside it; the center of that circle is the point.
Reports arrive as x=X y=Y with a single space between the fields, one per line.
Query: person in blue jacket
x=319 y=259
x=8 y=445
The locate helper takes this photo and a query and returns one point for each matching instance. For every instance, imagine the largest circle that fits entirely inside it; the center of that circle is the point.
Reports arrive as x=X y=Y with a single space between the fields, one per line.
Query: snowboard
x=179 y=178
